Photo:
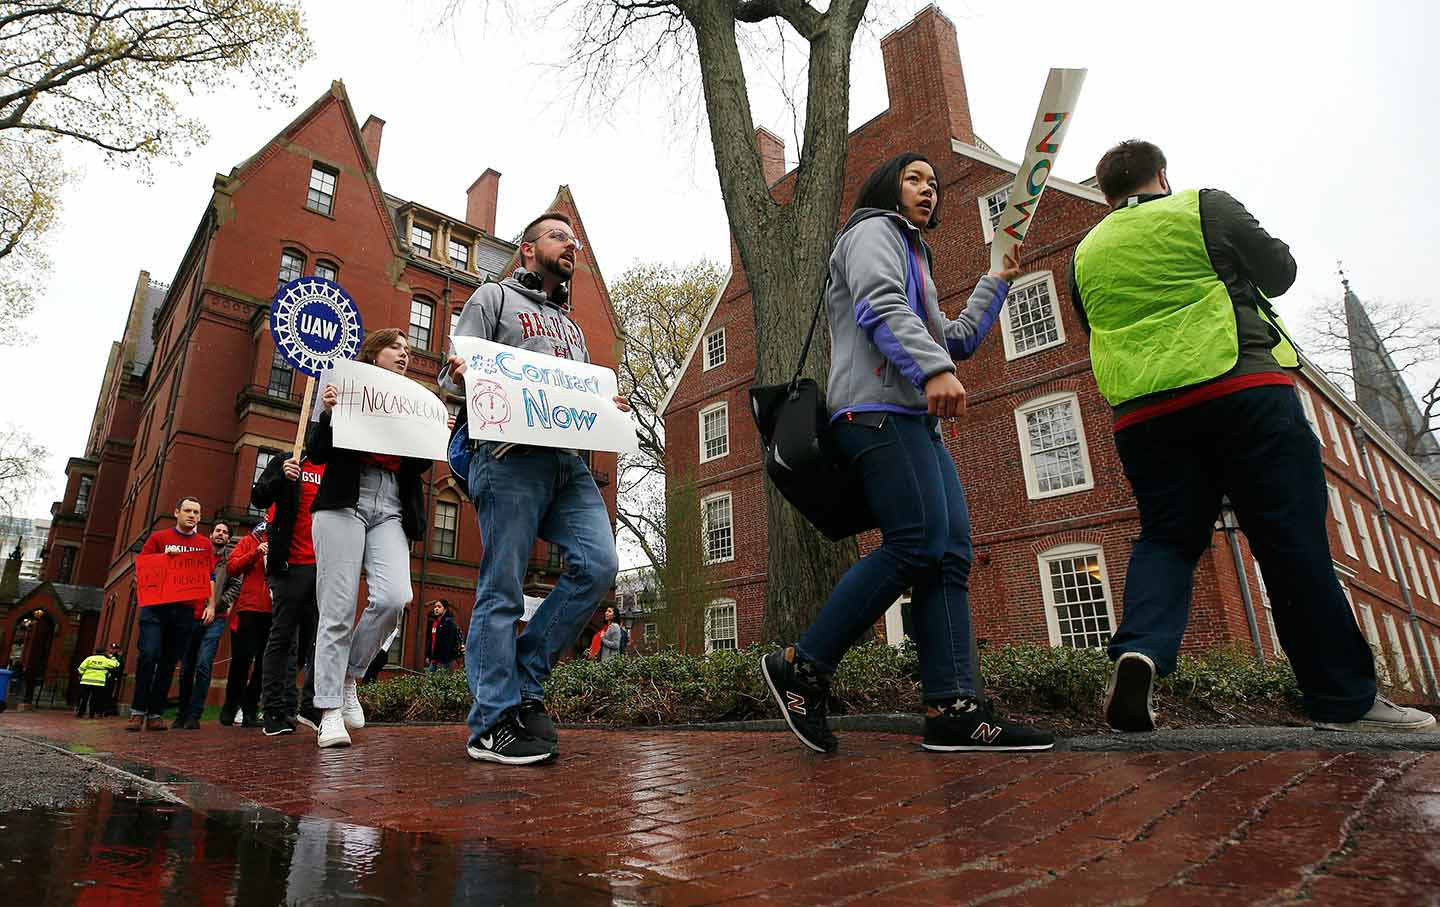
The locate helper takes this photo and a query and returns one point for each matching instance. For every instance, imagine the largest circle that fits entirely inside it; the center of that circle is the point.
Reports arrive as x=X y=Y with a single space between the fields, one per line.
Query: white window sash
x=1045 y=280
x=1337 y=510
x=1366 y=545
x=1027 y=461
x=1335 y=435
x=1384 y=546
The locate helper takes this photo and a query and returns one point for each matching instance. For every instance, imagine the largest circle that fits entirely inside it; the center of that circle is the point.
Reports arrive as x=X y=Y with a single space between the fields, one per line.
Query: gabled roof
x=994 y=160
x=695 y=344
x=71 y=598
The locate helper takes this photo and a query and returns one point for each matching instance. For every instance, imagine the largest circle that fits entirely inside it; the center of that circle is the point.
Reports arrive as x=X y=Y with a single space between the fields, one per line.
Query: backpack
x=458 y=453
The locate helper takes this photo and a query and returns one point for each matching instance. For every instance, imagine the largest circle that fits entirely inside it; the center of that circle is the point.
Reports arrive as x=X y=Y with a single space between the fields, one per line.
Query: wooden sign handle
x=304 y=416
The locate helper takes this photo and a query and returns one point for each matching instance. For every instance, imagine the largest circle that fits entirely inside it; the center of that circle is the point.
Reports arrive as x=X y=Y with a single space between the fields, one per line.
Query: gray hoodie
x=887 y=333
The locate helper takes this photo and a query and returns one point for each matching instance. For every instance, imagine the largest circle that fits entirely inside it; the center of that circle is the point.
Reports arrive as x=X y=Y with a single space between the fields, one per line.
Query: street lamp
x=1230 y=525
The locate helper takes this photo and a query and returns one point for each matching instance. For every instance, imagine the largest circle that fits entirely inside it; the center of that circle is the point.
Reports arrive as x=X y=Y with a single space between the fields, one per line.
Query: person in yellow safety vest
x=1173 y=288
x=94 y=674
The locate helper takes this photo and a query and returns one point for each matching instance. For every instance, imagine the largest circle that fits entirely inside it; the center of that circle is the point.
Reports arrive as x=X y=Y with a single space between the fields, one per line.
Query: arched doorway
x=30 y=653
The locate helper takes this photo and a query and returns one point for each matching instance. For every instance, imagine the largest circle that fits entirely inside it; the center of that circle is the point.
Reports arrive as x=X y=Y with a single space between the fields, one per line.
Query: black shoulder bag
x=800 y=459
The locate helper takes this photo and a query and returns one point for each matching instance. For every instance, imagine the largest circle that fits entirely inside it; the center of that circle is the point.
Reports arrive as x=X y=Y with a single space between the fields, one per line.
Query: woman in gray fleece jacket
x=892 y=380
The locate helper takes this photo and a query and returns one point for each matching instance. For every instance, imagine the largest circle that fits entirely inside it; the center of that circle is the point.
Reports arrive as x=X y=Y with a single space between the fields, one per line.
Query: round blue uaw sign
x=314 y=322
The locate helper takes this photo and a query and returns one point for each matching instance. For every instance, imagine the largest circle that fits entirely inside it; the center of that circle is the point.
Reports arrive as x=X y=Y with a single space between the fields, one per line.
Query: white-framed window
x=1434 y=523
x=1429 y=577
x=262 y=460
x=292 y=267
x=651 y=631
x=717 y=519
x=1362 y=530
x=321 y=196
x=1419 y=511
x=447 y=523
x=282 y=377
x=1436 y=640
x=82 y=495
x=327 y=270
x=1338 y=441
x=1377 y=466
x=714 y=432
x=1351 y=601
x=1372 y=636
x=1409 y=553
x=1384 y=546
x=1031 y=319
x=714 y=349
x=1269 y=612
x=459 y=254
x=991 y=207
x=1307 y=403
x=720 y=629
x=422 y=315
x=1077 y=596
x=1053 y=452
x=422 y=238
x=1400 y=490
x=1337 y=510
x=1350 y=441
x=1392 y=634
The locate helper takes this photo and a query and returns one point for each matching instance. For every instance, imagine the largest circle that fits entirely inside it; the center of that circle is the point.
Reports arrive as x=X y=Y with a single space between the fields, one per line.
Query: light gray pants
x=367 y=534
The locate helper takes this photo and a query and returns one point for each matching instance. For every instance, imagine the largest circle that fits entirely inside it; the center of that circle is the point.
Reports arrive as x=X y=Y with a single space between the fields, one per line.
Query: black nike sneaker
x=508 y=743
x=802 y=694
x=970 y=725
x=538 y=722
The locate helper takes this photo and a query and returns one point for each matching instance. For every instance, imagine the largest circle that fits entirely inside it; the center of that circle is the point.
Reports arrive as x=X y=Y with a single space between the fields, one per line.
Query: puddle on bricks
x=113 y=849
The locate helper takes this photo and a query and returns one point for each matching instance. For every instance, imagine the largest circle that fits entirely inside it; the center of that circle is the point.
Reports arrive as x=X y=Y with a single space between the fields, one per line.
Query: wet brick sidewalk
x=752 y=818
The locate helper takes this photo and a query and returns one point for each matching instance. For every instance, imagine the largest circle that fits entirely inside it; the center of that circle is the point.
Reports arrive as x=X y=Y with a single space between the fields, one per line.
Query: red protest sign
x=165 y=578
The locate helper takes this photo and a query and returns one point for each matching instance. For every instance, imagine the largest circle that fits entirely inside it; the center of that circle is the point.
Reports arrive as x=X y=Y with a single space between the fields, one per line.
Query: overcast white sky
x=1320 y=117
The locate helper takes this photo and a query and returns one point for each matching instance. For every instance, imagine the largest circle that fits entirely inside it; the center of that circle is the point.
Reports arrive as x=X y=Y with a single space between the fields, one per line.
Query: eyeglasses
x=561 y=237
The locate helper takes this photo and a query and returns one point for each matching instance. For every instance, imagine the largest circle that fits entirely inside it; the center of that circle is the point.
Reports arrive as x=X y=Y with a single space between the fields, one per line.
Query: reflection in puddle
x=115 y=850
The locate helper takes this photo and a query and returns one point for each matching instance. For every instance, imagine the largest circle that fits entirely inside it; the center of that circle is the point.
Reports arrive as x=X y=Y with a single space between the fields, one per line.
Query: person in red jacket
x=249 y=628
x=165 y=627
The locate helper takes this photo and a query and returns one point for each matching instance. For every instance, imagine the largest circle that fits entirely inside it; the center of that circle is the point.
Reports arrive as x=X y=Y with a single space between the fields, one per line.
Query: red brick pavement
x=750 y=818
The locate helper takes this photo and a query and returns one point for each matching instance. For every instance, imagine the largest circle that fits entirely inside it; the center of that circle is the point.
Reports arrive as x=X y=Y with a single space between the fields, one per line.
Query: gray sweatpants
x=370 y=534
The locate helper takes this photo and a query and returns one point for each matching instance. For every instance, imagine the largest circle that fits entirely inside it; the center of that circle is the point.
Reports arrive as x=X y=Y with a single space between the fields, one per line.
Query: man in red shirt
x=165 y=628
x=285 y=490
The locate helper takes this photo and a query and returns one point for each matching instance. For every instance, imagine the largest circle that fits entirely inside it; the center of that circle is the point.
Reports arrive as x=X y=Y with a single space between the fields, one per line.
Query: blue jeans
x=205 y=641
x=528 y=494
x=913 y=489
x=1255 y=446
x=164 y=631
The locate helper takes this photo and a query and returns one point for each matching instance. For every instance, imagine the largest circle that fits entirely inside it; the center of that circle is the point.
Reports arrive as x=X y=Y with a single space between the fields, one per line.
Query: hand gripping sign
x=517 y=396
x=382 y=412
x=314 y=323
x=1052 y=120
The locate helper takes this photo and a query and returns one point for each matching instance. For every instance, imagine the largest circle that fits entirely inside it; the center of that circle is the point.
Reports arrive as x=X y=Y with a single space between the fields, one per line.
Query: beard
x=556 y=267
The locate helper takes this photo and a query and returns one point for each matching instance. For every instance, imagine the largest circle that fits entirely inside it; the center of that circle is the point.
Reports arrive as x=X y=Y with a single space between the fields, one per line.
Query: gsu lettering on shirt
x=311 y=477
x=535 y=324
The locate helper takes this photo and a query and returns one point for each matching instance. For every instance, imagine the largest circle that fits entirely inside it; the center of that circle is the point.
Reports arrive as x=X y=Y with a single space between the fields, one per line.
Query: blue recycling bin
x=5 y=674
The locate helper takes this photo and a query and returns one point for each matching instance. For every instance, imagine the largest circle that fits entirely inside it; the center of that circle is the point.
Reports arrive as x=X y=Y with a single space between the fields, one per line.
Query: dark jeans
x=912 y=487
x=91 y=699
x=1255 y=446
x=196 y=666
x=291 y=644
x=164 y=632
x=247 y=648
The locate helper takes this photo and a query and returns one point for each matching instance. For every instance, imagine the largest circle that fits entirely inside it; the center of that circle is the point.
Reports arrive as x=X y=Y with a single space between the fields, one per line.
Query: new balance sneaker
x=1130 y=698
x=802 y=694
x=350 y=708
x=310 y=717
x=1384 y=715
x=970 y=725
x=332 y=730
x=540 y=725
x=276 y=725
x=509 y=744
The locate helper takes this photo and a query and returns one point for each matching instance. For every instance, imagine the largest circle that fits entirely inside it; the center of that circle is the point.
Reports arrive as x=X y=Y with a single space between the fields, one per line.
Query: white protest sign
x=1052 y=121
x=520 y=397
x=385 y=413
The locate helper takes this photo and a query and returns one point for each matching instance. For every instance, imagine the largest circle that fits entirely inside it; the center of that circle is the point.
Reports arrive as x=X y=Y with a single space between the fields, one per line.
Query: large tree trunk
x=784 y=250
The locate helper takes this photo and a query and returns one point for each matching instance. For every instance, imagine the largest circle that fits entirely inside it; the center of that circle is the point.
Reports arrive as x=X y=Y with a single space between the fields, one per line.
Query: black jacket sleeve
x=319 y=443
x=1075 y=300
x=1236 y=242
x=272 y=482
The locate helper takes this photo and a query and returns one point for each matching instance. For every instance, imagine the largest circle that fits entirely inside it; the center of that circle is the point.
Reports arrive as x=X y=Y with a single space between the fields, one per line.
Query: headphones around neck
x=532 y=281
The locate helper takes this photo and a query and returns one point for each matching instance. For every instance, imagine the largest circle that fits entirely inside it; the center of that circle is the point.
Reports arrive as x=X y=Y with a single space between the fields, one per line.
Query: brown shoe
x=137 y=723
x=155 y=723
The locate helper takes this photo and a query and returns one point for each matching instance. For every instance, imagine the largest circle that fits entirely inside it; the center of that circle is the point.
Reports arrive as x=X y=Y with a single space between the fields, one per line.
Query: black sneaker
x=508 y=742
x=802 y=699
x=227 y=719
x=192 y=723
x=968 y=725
x=276 y=725
x=540 y=725
x=1129 y=701
x=310 y=717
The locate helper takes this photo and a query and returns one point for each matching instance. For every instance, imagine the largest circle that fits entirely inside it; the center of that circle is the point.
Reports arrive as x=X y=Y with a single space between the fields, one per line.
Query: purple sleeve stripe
x=867 y=318
x=895 y=351
x=964 y=349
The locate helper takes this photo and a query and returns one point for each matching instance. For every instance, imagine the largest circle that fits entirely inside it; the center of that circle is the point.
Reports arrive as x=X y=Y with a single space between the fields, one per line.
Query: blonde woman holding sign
x=368 y=510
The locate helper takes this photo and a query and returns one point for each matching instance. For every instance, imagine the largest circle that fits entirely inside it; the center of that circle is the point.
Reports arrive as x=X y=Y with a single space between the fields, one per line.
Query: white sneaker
x=354 y=715
x=332 y=730
x=1384 y=715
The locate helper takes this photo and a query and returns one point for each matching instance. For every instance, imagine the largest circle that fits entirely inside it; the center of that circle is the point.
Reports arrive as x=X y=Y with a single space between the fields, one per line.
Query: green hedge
x=671 y=688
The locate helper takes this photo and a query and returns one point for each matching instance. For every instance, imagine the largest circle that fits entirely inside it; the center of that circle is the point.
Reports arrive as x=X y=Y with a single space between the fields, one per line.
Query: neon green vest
x=93 y=670
x=1160 y=317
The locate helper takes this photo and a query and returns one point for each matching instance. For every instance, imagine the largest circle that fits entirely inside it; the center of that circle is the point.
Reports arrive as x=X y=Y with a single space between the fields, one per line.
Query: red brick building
x=1053 y=517
x=196 y=402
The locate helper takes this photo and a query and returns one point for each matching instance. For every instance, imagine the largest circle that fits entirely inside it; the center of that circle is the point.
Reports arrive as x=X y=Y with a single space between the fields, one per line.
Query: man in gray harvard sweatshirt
x=522 y=493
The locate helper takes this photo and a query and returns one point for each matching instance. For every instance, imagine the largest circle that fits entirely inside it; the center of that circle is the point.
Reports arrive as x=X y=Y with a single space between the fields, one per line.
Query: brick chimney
x=10 y=581
x=370 y=133
x=772 y=155
x=481 y=199
x=923 y=73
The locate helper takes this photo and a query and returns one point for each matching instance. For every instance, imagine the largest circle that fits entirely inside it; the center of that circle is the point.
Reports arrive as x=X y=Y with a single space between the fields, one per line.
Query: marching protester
x=1173 y=289
x=197 y=664
x=892 y=381
x=249 y=629
x=522 y=493
x=442 y=642
x=367 y=511
x=285 y=491
x=113 y=680
x=165 y=627
x=94 y=672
